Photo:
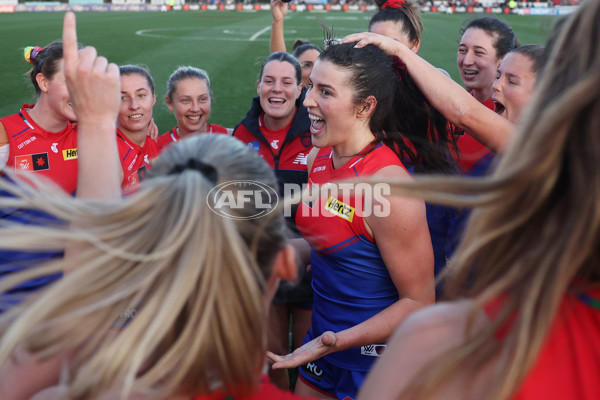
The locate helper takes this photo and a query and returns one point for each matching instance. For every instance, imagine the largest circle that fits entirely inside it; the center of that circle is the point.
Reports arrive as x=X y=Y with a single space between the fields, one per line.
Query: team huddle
x=474 y=275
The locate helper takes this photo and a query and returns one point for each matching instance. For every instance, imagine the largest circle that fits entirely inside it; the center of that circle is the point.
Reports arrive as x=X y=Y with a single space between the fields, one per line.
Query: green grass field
x=229 y=45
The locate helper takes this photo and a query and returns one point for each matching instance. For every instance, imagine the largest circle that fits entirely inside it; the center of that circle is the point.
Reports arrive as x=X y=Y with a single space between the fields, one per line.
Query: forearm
x=379 y=327
x=99 y=167
x=277 y=36
x=456 y=104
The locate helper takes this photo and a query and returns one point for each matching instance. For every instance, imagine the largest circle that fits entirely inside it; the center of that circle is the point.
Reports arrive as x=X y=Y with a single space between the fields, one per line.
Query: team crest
x=306 y=140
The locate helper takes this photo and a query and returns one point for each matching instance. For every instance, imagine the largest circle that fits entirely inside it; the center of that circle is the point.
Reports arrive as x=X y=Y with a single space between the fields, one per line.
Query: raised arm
x=94 y=88
x=279 y=10
x=448 y=97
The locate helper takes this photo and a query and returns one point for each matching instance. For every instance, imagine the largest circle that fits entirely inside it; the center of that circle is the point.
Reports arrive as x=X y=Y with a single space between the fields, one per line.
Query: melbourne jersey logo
x=275 y=144
x=372 y=350
x=54 y=147
x=340 y=209
x=32 y=162
x=69 y=154
x=242 y=199
x=305 y=140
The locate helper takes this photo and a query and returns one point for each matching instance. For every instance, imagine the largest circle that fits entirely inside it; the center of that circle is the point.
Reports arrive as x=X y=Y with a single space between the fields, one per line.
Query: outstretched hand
x=316 y=348
x=93 y=83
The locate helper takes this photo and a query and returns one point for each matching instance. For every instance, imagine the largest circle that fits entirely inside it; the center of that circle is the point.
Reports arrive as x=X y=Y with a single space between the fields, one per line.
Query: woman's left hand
x=315 y=349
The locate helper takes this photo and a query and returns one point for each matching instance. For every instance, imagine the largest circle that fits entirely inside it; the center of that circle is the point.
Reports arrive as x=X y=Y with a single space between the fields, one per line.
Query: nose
x=309 y=98
x=497 y=85
x=134 y=104
x=468 y=58
x=195 y=105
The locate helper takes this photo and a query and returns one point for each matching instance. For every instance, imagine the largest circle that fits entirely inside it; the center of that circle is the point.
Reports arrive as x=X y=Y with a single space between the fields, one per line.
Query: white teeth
x=194 y=117
x=277 y=100
x=136 y=116
x=314 y=117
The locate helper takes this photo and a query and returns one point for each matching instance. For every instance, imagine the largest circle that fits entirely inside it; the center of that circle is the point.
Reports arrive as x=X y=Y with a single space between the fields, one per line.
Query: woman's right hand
x=279 y=10
x=390 y=46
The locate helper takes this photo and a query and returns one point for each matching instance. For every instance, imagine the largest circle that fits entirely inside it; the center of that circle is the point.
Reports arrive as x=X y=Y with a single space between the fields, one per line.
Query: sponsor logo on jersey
x=305 y=140
x=313 y=371
x=321 y=168
x=32 y=162
x=255 y=145
x=301 y=158
x=274 y=144
x=146 y=160
x=26 y=142
x=340 y=209
x=69 y=154
x=372 y=350
x=54 y=148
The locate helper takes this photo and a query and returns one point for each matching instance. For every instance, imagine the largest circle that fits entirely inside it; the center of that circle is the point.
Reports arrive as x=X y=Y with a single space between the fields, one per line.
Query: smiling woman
x=136 y=150
x=277 y=125
x=34 y=139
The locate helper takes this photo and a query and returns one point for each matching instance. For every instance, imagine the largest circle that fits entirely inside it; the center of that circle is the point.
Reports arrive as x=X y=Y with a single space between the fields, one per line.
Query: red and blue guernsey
x=49 y=154
x=135 y=159
x=173 y=136
x=350 y=280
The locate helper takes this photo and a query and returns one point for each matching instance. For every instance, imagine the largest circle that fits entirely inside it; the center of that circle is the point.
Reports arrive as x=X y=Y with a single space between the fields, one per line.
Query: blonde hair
x=536 y=227
x=192 y=279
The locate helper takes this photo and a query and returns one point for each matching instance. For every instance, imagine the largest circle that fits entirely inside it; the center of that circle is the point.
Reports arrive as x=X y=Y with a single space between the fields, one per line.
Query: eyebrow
x=137 y=90
x=325 y=86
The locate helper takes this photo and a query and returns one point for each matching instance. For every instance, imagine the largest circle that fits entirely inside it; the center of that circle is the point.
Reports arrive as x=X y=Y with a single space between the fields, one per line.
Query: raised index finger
x=69 y=43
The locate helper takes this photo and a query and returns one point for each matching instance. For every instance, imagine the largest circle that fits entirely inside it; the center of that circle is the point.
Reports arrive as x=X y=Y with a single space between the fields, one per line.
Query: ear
x=258 y=88
x=169 y=104
x=284 y=266
x=415 y=45
x=367 y=107
x=42 y=82
x=154 y=97
x=299 y=90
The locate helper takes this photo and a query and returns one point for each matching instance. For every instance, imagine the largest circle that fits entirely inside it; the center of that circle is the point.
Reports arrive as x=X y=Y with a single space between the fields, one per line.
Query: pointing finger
x=69 y=43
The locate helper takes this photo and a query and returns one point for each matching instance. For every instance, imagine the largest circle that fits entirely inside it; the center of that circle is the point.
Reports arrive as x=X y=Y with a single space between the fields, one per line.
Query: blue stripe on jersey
x=23 y=131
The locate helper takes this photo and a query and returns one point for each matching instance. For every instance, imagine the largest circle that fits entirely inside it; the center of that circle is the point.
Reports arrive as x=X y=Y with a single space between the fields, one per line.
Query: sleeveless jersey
x=49 y=154
x=350 y=280
x=135 y=159
x=172 y=136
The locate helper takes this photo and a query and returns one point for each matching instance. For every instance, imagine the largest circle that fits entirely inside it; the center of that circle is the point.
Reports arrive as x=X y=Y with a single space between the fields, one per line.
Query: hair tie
x=31 y=53
x=398 y=4
x=399 y=67
x=207 y=170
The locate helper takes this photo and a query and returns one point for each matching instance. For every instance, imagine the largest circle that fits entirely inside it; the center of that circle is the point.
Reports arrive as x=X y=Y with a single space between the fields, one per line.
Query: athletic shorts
x=331 y=380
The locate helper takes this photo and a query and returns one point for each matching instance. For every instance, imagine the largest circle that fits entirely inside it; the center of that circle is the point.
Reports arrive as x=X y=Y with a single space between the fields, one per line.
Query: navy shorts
x=332 y=380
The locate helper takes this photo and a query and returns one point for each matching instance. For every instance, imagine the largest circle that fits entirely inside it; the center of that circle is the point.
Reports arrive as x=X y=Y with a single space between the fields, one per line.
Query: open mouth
x=277 y=101
x=316 y=123
x=194 y=118
x=469 y=73
x=499 y=107
x=135 y=116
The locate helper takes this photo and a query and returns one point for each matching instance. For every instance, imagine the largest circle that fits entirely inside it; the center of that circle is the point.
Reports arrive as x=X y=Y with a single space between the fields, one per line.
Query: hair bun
x=30 y=53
